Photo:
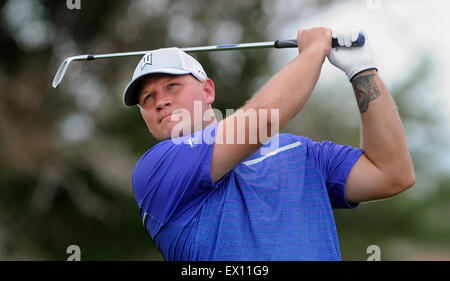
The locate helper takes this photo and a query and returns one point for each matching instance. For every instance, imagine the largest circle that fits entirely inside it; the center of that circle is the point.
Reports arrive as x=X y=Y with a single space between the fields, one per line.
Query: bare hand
x=317 y=39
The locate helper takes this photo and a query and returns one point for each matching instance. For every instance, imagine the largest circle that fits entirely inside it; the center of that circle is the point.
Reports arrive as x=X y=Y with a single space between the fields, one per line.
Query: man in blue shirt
x=239 y=190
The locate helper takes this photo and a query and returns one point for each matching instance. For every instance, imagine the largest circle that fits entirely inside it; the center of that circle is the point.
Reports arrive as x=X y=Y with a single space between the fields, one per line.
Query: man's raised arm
x=287 y=91
x=385 y=169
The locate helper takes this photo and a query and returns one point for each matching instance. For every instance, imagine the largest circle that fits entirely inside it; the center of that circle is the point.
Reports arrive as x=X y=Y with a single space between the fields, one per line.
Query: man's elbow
x=408 y=182
x=403 y=183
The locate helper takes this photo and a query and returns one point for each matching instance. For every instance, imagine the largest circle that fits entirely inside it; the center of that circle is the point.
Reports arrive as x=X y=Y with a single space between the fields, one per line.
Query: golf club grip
x=292 y=43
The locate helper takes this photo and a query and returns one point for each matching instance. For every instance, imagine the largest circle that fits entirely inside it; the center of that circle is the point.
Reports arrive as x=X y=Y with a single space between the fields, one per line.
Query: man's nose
x=162 y=101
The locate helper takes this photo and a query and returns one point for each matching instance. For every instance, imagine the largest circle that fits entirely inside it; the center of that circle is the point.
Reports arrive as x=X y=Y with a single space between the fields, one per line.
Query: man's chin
x=171 y=133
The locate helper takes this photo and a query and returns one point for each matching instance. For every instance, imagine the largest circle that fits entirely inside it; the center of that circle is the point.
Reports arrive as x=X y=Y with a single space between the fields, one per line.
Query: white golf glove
x=351 y=60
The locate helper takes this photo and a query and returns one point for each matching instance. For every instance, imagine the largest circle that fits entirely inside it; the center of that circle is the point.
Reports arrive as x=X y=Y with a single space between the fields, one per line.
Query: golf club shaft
x=270 y=44
x=257 y=45
x=279 y=44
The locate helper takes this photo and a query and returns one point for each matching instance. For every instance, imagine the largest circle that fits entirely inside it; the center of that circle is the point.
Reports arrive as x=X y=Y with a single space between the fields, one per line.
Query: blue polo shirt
x=275 y=205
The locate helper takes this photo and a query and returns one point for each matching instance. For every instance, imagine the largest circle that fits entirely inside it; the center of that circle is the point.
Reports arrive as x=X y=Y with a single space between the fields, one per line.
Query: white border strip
x=275 y=152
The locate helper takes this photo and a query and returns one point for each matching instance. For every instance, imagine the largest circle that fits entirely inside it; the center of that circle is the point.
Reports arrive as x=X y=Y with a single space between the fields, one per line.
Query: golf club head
x=65 y=65
x=61 y=71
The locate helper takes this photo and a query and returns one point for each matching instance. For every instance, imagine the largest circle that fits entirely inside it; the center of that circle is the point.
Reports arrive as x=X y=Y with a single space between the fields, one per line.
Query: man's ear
x=208 y=87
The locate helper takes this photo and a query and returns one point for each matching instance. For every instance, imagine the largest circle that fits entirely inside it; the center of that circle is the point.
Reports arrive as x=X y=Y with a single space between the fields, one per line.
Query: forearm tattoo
x=366 y=90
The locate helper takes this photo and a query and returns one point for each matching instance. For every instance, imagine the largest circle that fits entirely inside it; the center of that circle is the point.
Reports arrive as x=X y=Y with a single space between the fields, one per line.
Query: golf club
x=279 y=44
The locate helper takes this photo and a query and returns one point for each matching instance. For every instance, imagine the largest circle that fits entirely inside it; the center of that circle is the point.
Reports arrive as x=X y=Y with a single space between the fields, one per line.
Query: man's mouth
x=164 y=116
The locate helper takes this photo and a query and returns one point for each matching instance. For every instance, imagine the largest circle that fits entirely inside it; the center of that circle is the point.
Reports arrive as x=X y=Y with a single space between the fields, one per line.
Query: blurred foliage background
x=66 y=154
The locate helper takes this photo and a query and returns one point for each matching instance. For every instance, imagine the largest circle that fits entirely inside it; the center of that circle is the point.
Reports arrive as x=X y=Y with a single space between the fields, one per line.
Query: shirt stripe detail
x=275 y=152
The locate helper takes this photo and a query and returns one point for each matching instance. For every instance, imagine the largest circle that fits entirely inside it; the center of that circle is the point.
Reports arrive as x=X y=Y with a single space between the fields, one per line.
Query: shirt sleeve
x=171 y=180
x=334 y=161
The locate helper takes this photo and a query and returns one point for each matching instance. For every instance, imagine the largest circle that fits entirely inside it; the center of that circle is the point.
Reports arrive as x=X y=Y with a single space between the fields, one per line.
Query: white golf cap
x=168 y=60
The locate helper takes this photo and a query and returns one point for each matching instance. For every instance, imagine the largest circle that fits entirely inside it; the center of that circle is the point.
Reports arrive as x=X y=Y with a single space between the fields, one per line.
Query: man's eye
x=146 y=97
x=172 y=85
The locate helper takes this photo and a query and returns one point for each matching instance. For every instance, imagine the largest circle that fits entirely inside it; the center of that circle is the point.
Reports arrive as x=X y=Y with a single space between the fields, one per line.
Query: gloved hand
x=351 y=60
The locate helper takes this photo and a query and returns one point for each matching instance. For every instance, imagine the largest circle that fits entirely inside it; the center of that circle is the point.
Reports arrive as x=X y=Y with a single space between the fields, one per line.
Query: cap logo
x=147 y=59
x=199 y=72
